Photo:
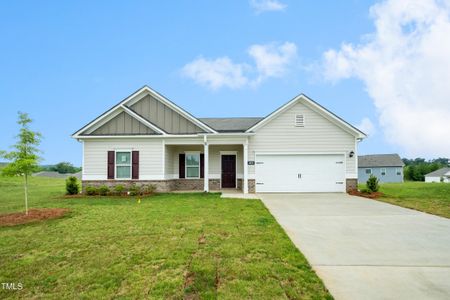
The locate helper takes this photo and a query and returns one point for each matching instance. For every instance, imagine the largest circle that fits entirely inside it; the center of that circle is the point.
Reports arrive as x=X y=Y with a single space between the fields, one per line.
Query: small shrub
x=91 y=190
x=364 y=190
x=134 y=190
x=372 y=184
x=103 y=190
x=149 y=189
x=119 y=189
x=72 y=186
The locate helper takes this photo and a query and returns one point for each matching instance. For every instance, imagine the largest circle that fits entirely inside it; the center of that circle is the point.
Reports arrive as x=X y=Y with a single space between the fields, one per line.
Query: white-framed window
x=192 y=164
x=299 y=120
x=398 y=171
x=368 y=171
x=123 y=164
x=383 y=171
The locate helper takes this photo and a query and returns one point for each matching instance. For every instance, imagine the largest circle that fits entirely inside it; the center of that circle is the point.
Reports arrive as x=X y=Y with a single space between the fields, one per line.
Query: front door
x=228 y=171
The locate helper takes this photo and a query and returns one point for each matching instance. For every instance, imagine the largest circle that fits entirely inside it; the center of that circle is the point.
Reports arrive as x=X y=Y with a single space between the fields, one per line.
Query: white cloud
x=216 y=73
x=270 y=60
x=260 y=6
x=405 y=66
x=367 y=126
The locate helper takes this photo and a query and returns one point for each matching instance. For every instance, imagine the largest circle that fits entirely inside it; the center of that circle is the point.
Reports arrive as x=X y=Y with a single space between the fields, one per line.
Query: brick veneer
x=351 y=184
x=251 y=186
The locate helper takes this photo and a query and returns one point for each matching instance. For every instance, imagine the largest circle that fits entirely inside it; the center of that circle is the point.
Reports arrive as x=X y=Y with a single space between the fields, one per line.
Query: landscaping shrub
x=372 y=184
x=72 y=186
x=149 y=189
x=103 y=190
x=134 y=190
x=119 y=189
x=91 y=190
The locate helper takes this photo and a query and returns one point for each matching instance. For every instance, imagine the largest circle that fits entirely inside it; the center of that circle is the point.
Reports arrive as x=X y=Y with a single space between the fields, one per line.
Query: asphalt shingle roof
x=230 y=124
x=440 y=172
x=380 y=160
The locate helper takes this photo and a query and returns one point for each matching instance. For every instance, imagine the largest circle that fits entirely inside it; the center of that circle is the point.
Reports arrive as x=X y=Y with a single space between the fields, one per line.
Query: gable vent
x=299 y=120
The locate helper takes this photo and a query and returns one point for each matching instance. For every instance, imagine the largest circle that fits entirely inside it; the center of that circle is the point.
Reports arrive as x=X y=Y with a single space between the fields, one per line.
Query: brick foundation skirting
x=351 y=184
x=163 y=186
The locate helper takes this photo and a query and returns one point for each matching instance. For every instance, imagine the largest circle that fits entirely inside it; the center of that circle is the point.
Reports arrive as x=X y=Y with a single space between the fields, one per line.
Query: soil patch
x=373 y=195
x=33 y=216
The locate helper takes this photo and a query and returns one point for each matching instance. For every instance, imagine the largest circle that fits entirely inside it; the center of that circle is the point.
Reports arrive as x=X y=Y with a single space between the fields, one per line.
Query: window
x=383 y=171
x=369 y=171
x=299 y=121
x=398 y=171
x=123 y=164
x=192 y=165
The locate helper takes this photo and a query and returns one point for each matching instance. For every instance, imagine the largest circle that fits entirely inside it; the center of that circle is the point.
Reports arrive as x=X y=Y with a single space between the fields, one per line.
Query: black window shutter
x=135 y=165
x=181 y=163
x=202 y=165
x=111 y=164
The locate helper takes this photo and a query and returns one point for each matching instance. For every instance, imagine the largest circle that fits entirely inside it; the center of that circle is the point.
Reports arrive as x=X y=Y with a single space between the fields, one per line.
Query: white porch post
x=206 y=164
x=245 y=183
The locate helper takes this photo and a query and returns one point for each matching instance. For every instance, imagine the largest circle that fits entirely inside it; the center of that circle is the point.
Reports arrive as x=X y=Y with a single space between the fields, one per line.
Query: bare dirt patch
x=374 y=195
x=33 y=216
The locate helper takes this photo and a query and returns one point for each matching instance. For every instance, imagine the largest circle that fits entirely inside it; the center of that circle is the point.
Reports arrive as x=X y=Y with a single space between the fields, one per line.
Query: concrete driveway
x=365 y=249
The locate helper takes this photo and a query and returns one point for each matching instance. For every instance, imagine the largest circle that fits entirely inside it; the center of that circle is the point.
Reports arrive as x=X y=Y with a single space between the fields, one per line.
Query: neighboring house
x=386 y=167
x=441 y=175
x=54 y=174
x=147 y=139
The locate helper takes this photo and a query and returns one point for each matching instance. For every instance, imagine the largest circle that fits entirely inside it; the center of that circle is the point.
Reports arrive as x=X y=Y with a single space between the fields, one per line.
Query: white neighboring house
x=441 y=175
x=147 y=139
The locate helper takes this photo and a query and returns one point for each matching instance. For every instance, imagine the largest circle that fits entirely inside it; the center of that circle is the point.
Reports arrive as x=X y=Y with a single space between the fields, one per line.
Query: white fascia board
x=136 y=96
x=324 y=112
x=106 y=114
x=142 y=120
x=173 y=106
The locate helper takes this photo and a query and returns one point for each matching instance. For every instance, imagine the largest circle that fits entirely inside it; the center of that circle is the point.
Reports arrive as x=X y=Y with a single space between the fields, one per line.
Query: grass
x=170 y=246
x=433 y=198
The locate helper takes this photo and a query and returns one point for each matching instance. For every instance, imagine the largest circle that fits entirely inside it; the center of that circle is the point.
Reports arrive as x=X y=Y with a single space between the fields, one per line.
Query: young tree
x=24 y=158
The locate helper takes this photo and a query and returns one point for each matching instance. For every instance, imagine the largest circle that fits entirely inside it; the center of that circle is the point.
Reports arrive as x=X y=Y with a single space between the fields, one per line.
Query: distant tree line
x=415 y=169
x=62 y=168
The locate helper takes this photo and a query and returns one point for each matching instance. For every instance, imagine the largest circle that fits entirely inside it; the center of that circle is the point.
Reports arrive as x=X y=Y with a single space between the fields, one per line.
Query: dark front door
x=228 y=171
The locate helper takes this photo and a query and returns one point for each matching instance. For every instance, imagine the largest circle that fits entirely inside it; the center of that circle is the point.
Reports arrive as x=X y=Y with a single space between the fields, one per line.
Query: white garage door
x=300 y=173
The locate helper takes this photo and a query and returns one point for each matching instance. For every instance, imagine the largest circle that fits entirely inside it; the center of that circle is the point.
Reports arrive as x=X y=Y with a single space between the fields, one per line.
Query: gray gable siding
x=391 y=174
x=164 y=117
x=123 y=124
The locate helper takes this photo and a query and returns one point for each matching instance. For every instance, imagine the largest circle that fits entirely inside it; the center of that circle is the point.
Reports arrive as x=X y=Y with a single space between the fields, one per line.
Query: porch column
x=245 y=183
x=206 y=164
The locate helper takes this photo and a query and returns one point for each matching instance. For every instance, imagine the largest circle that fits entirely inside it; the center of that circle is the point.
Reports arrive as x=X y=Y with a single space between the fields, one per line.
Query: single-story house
x=386 y=167
x=148 y=139
x=54 y=174
x=441 y=175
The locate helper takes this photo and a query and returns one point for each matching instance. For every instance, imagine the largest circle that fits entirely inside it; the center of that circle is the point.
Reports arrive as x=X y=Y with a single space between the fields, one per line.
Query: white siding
x=318 y=135
x=96 y=151
x=215 y=160
x=172 y=156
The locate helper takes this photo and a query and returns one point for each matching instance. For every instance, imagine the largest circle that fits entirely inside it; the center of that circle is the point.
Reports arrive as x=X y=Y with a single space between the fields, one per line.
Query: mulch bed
x=33 y=216
x=374 y=195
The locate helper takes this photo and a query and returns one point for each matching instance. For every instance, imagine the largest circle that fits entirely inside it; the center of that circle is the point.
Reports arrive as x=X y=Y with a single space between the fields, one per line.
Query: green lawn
x=170 y=246
x=433 y=198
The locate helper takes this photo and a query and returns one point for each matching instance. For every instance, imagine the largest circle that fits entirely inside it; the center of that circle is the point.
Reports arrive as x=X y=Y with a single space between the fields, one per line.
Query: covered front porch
x=206 y=164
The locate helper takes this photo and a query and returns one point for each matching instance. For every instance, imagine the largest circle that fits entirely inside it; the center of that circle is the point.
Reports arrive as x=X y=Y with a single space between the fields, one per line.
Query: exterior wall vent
x=299 y=120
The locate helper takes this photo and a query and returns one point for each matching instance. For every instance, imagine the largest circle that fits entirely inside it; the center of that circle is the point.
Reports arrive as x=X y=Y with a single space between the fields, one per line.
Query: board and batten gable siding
x=164 y=117
x=123 y=124
x=319 y=134
x=96 y=150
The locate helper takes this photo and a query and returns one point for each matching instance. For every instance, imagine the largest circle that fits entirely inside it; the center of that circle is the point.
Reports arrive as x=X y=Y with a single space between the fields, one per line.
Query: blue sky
x=67 y=62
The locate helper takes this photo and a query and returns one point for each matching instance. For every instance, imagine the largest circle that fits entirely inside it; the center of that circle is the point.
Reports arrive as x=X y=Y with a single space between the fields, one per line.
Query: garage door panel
x=300 y=173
